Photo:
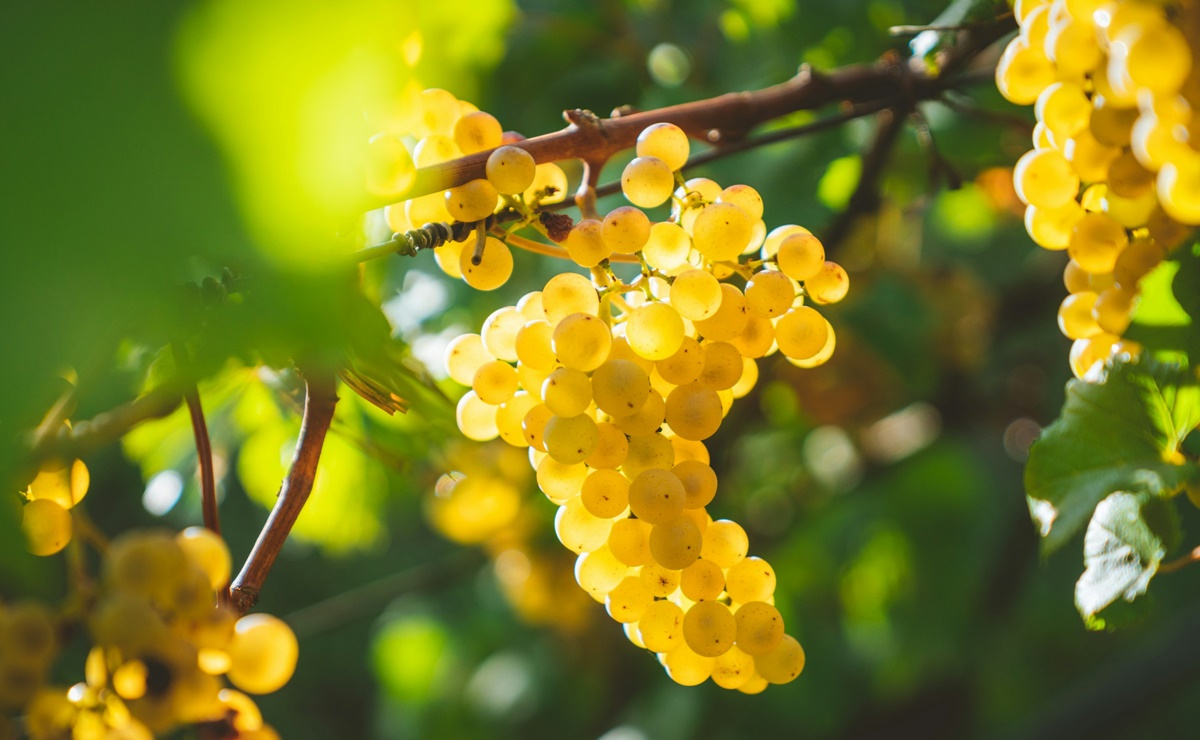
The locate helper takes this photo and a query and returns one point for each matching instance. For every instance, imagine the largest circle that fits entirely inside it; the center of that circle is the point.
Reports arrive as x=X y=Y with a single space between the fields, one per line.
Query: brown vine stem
x=1180 y=562
x=723 y=119
x=204 y=460
x=319 y=403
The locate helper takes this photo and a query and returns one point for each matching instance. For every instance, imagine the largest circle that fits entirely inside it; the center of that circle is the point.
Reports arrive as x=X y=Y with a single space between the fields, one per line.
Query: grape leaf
x=1122 y=433
x=1121 y=551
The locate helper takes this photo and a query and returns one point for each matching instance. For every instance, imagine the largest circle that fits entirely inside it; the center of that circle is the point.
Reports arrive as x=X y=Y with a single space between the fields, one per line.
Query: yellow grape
x=569 y=293
x=667 y=247
x=696 y=294
x=685 y=365
x=582 y=342
x=709 y=628
x=625 y=230
x=63 y=484
x=1179 y=188
x=647 y=182
x=476 y=418
x=435 y=149
x=675 y=543
x=263 y=654
x=611 y=447
x=1044 y=178
x=494 y=268
x=752 y=579
x=560 y=481
x=699 y=483
x=693 y=411
x=686 y=667
x=1023 y=72
x=667 y=142
x=745 y=198
x=585 y=243
x=495 y=382
x=511 y=415
x=1064 y=108
x=1096 y=242
x=207 y=551
x=570 y=439
x=47 y=527
x=770 y=293
x=782 y=664
x=654 y=331
x=1051 y=228
x=620 y=387
x=389 y=166
x=598 y=572
x=730 y=318
x=439 y=110
x=605 y=493
x=1113 y=310
x=725 y=543
x=661 y=627
x=567 y=392
x=722 y=366
x=721 y=231
x=472 y=201
x=759 y=627
x=770 y=247
x=628 y=601
x=647 y=419
x=629 y=542
x=801 y=333
x=510 y=169
x=703 y=580
x=534 y=346
x=549 y=185
x=733 y=670
x=1138 y=259
x=477 y=131
x=578 y=529
x=656 y=496
x=647 y=451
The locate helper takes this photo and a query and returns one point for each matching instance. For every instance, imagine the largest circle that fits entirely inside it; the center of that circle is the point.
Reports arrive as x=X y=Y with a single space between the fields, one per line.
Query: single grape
x=494 y=268
x=667 y=142
x=510 y=169
x=656 y=496
x=759 y=627
x=647 y=182
x=263 y=654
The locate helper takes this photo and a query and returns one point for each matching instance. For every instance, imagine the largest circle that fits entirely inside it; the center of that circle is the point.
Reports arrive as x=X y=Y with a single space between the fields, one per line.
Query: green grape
x=648 y=418
x=752 y=579
x=725 y=543
x=729 y=320
x=693 y=411
x=611 y=447
x=510 y=418
x=560 y=481
x=1023 y=72
x=439 y=110
x=598 y=572
x=570 y=439
x=759 y=627
x=1051 y=228
x=667 y=247
x=477 y=131
x=625 y=230
x=585 y=243
x=699 y=483
x=647 y=182
x=745 y=198
x=476 y=418
x=263 y=654
x=206 y=550
x=533 y=345
x=605 y=493
x=494 y=268
x=628 y=601
x=783 y=664
x=722 y=366
x=620 y=387
x=472 y=201
x=464 y=356
x=770 y=247
x=801 y=333
x=435 y=149
x=582 y=342
x=646 y=452
x=656 y=496
x=1113 y=309
x=733 y=670
x=389 y=166
x=1075 y=319
x=661 y=581
x=629 y=542
x=770 y=293
x=675 y=543
x=566 y=294
x=567 y=392
x=721 y=231
x=1096 y=242
x=661 y=627
x=510 y=169
x=654 y=331
x=702 y=581
x=757 y=337
x=696 y=294
x=47 y=527
x=667 y=142
x=578 y=529
x=686 y=667
x=685 y=365
x=1044 y=178
x=709 y=628
x=495 y=382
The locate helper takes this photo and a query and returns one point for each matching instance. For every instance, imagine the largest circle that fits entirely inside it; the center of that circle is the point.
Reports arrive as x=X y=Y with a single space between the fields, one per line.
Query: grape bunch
x=1114 y=174
x=46 y=515
x=161 y=647
x=614 y=387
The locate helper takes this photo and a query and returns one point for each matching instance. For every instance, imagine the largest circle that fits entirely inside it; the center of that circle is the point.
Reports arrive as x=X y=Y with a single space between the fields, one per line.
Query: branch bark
x=319 y=403
x=204 y=460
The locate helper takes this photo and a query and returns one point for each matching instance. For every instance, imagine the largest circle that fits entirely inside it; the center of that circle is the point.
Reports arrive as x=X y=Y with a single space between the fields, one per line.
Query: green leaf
x=838 y=182
x=1122 y=433
x=1169 y=298
x=1121 y=551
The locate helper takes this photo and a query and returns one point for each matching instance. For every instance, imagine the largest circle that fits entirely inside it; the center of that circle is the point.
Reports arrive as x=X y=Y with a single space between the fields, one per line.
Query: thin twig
x=98 y=431
x=549 y=250
x=319 y=403
x=204 y=459
x=1180 y=562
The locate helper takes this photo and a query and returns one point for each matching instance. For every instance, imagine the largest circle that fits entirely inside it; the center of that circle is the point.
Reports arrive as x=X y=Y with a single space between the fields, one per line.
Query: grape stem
x=1180 y=562
x=320 y=399
x=91 y=434
x=204 y=460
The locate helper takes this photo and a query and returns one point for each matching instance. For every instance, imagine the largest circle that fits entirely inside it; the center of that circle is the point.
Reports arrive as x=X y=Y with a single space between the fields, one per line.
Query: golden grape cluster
x=163 y=647
x=614 y=386
x=1114 y=175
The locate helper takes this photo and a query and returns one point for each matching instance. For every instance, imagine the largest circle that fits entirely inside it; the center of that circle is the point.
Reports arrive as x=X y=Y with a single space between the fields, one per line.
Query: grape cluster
x=161 y=647
x=614 y=387
x=1114 y=175
x=444 y=128
x=46 y=516
x=28 y=647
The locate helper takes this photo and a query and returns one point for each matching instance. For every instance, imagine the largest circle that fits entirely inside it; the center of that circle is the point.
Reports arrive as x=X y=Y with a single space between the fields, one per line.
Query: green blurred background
x=149 y=144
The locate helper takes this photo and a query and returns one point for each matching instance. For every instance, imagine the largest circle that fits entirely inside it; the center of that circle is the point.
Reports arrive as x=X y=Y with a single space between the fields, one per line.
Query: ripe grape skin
x=709 y=628
x=510 y=170
x=647 y=182
x=667 y=142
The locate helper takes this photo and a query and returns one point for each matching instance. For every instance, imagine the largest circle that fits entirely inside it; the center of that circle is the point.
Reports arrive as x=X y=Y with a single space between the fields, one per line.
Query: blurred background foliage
x=149 y=144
